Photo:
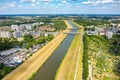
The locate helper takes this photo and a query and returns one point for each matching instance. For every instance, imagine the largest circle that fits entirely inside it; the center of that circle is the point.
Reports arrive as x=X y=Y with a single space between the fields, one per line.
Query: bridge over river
x=71 y=33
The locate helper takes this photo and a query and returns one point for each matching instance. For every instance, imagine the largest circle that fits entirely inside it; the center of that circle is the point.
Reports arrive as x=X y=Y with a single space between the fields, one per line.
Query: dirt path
x=25 y=70
x=90 y=72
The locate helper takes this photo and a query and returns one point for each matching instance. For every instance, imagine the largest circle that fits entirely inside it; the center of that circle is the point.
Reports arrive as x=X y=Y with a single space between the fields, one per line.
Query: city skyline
x=59 y=7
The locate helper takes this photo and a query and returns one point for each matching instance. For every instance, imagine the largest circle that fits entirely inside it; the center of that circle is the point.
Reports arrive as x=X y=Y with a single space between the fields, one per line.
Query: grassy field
x=103 y=62
x=67 y=69
x=26 y=70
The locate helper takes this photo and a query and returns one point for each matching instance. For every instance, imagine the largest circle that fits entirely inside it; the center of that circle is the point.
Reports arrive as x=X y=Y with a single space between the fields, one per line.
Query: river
x=48 y=70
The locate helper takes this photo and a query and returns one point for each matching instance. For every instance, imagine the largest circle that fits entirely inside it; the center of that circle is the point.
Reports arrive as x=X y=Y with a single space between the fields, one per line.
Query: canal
x=48 y=70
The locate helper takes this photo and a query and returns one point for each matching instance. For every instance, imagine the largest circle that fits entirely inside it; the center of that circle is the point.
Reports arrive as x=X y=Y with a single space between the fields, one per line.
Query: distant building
x=17 y=34
x=5 y=34
x=41 y=23
x=114 y=30
x=37 y=23
x=92 y=32
x=28 y=26
x=109 y=34
x=4 y=28
x=10 y=51
x=21 y=27
x=14 y=27
x=102 y=32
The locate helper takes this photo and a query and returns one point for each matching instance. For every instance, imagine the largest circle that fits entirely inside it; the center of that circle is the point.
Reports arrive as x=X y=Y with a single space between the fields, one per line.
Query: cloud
x=92 y=2
x=33 y=5
x=59 y=4
x=45 y=1
x=11 y=4
x=63 y=2
x=37 y=2
x=27 y=0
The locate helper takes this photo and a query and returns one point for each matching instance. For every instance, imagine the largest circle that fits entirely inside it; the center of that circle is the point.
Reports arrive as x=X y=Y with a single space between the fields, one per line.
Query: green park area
x=104 y=56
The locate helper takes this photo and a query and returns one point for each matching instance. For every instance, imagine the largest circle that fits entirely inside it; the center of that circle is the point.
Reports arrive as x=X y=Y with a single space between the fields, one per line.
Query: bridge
x=73 y=29
x=71 y=32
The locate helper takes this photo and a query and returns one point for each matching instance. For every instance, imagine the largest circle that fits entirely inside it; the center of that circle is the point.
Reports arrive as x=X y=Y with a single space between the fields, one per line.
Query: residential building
x=114 y=30
x=17 y=34
x=41 y=23
x=28 y=26
x=109 y=34
x=14 y=27
x=102 y=32
x=5 y=34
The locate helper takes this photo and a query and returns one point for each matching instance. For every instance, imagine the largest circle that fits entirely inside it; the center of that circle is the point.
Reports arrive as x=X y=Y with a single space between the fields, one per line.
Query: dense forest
x=88 y=22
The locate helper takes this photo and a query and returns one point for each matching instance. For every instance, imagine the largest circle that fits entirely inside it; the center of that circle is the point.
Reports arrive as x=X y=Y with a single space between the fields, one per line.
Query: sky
x=59 y=6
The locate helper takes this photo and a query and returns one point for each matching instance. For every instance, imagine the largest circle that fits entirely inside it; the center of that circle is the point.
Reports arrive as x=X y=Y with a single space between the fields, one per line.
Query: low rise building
x=17 y=34
x=28 y=26
x=109 y=34
x=102 y=32
x=5 y=34
x=14 y=27
x=41 y=23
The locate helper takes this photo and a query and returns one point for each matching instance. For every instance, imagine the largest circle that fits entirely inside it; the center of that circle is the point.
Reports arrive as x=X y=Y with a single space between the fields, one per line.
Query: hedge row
x=85 y=57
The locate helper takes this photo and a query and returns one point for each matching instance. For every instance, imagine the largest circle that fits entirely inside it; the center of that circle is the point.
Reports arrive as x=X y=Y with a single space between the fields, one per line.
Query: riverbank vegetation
x=85 y=57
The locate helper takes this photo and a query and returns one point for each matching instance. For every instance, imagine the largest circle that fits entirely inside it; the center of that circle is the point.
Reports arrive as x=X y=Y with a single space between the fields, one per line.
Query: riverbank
x=71 y=66
x=25 y=70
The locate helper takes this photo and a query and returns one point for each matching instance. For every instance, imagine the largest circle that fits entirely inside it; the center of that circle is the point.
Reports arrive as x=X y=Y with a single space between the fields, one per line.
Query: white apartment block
x=109 y=34
x=5 y=34
x=18 y=28
x=35 y=24
x=28 y=26
x=17 y=34
x=15 y=27
x=41 y=23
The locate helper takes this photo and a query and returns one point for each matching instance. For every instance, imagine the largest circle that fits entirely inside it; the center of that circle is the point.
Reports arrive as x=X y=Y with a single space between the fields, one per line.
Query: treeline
x=4 y=70
x=59 y=25
x=85 y=58
x=91 y=22
x=18 y=21
x=28 y=42
x=6 y=43
x=114 y=48
x=115 y=45
x=89 y=29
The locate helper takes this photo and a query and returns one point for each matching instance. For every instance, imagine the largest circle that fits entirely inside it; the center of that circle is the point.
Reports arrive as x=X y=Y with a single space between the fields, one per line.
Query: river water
x=49 y=68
